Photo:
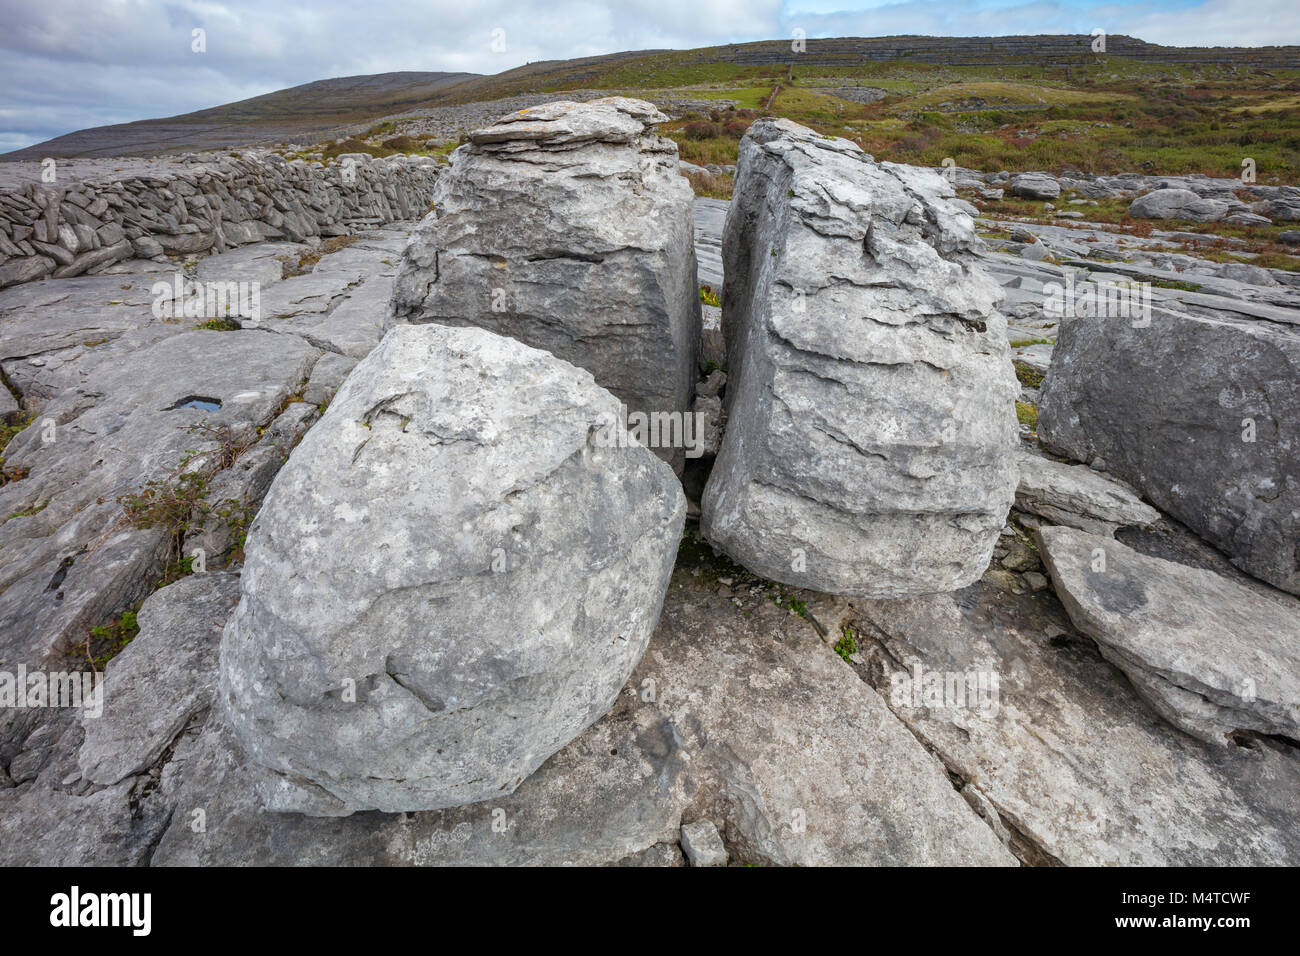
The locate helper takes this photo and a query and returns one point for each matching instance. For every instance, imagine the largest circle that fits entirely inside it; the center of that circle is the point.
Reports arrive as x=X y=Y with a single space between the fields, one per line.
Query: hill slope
x=299 y=111
x=319 y=110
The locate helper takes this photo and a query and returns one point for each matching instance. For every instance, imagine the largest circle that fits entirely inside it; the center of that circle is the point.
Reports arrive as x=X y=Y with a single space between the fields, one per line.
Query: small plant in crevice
x=230 y=444
x=178 y=501
x=167 y=503
x=847 y=645
x=220 y=325
x=8 y=430
x=785 y=599
x=28 y=512
x=106 y=641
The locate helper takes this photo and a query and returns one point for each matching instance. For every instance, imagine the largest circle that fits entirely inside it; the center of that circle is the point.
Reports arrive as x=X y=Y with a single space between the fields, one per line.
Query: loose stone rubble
x=702 y=844
x=464 y=596
x=568 y=228
x=870 y=438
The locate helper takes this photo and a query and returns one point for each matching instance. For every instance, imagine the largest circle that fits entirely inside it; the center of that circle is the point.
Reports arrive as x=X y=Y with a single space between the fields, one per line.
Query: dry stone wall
x=64 y=229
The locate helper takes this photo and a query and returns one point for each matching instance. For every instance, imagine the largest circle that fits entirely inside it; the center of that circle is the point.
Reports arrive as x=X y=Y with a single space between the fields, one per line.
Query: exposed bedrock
x=568 y=227
x=465 y=594
x=871 y=427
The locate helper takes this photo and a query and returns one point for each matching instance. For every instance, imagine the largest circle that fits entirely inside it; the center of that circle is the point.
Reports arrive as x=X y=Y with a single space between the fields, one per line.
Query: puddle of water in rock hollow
x=195 y=401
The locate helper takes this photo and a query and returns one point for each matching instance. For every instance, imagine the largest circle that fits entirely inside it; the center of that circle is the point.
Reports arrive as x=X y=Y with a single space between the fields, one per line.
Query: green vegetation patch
x=1027 y=414
x=108 y=640
x=847 y=645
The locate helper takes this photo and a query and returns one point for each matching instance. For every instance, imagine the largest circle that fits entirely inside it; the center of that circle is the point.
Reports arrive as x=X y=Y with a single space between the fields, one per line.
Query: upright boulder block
x=449 y=580
x=568 y=227
x=871 y=424
x=1198 y=412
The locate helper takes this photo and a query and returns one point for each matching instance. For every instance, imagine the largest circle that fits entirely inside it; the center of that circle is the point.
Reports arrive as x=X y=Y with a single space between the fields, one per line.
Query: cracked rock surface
x=1079 y=768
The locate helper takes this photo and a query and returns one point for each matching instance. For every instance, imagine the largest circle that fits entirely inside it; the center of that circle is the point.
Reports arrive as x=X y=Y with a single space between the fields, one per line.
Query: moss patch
x=1027 y=414
x=1029 y=376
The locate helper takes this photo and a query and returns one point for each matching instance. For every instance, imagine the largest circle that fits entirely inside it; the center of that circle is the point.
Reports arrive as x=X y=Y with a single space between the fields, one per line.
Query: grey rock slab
x=799 y=762
x=710 y=217
x=1191 y=411
x=870 y=417
x=1078 y=497
x=326 y=377
x=9 y=407
x=313 y=293
x=484 y=575
x=164 y=677
x=658 y=855
x=1209 y=655
x=713 y=346
x=262 y=263
x=25 y=269
x=41 y=826
x=616 y=790
x=235 y=494
x=1210 y=288
x=561 y=227
x=1035 y=186
x=353 y=326
x=1247 y=274
x=1177 y=204
x=1078 y=766
x=46 y=316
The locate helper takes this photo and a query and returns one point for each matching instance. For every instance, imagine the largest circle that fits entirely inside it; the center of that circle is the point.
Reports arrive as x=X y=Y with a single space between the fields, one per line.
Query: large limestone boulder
x=568 y=227
x=463 y=592
x=1178 y=204
x=1035 y=186
x=871 y=427
x=1197 y=413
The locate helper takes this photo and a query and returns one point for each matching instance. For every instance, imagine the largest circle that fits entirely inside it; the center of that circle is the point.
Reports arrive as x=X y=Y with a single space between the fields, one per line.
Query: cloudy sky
x=69 y=64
